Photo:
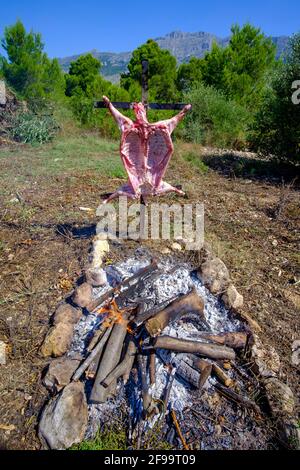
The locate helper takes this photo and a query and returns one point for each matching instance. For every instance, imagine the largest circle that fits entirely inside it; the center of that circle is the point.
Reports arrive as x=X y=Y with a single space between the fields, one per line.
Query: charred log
x=188 y=303
x=213 y=351
x=109 y=361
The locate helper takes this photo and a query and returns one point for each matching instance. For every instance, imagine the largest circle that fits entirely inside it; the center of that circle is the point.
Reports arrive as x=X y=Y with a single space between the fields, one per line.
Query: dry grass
x=44 y=239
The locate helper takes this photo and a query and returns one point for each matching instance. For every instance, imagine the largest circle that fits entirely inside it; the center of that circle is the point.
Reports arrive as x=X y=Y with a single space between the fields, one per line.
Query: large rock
x=65 y=313
x=265 y=360
x=214 y=275
x=64 y=419
x=60 y=372
x=83 y=295
x=96 y=277
x=58 y=340
x=280 y=397
x=232 y=299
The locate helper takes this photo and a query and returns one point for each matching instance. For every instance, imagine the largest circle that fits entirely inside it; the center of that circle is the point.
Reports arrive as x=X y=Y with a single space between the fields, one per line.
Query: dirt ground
x=251 y=220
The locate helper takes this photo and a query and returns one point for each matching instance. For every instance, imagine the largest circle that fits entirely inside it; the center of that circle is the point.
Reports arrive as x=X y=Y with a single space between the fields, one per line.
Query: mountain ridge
x=183 y=45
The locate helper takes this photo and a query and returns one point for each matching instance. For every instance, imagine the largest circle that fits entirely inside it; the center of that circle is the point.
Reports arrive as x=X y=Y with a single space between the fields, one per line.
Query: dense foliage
x=276 y=128
x=27 y=69
x=162 y=73
x=215 y=120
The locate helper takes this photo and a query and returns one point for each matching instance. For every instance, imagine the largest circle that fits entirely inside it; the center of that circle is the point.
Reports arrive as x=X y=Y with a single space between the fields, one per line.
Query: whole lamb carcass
x=146 y=149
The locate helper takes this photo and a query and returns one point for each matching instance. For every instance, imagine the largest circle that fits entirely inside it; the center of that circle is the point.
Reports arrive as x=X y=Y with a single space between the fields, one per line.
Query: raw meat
x=145 y=151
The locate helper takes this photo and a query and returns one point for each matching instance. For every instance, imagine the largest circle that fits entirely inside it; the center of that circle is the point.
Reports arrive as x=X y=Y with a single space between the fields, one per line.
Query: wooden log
x=109 y=361
x=184 y=368
x=236 y=398
x=167 y=391
x=191 y=302
x=213 y=351
x=235 y=340
x=98 y=333
x=91 y=371
x=147 y=399
x=123 y=367
x=152 y=368
x=220 y=374
x=96 y=351
x=205 y=368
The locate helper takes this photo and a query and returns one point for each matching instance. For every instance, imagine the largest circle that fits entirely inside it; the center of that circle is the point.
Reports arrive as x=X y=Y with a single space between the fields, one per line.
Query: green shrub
x=32 y=128
x=214 y=120
x=276 y=128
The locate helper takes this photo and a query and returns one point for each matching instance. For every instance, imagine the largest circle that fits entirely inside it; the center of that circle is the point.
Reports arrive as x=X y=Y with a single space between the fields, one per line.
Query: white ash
x=167 y=286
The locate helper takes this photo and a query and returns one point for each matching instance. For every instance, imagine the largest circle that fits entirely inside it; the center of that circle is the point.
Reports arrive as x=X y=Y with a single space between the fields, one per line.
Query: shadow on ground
x=231 y=165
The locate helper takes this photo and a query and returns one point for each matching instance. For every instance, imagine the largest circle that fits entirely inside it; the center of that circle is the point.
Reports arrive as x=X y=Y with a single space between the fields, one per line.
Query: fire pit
x=155 y=348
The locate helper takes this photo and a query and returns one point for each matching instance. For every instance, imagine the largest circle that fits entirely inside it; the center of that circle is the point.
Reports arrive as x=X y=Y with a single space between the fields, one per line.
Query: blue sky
x=71 y=26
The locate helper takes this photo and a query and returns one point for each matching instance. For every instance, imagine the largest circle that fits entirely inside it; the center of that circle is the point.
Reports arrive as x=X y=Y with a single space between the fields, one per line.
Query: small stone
x=214 y=275
x=165 y=251
x=296 y=353
x=60 y=372
x=176 y=246
x=218 y=429
x=64 y=419
x=280 y=396
x=232 y=299
x=2 y=353
x=58 y=340
x=65 y=313
x=96 y=277
x=82 y=295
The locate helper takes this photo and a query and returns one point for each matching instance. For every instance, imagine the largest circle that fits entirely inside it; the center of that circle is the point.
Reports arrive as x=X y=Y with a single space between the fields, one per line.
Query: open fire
x=157 y=347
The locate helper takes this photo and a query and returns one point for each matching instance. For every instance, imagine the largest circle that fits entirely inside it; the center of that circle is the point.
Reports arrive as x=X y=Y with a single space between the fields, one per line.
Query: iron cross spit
x=145 y=149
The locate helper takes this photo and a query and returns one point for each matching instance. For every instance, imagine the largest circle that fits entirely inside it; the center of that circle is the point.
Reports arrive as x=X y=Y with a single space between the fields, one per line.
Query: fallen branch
x=220 y=374
x=213 y=351
x=176 y=424
x=236 y=398
x=188 y=303
x=96 y=351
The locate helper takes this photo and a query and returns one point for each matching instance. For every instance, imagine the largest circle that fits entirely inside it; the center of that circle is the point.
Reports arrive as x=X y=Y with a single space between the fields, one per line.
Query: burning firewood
x=213 y=351
x=236 y=398
x=124 y=368
x=96 y=352
x=109 y=360
x=188 y=303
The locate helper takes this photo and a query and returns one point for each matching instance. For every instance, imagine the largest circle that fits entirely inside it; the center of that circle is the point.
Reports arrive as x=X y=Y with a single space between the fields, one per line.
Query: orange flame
x=115 y=315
